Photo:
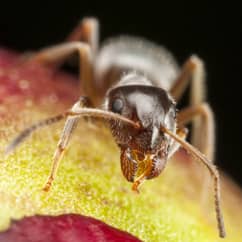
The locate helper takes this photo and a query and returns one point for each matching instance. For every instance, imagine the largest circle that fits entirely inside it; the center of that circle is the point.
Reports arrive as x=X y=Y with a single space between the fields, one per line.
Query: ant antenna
x=91 y=112
x=28 y=131
x=213 y=171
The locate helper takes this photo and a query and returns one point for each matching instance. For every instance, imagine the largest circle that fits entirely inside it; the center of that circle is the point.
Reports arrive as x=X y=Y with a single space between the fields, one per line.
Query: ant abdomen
x=121 y=55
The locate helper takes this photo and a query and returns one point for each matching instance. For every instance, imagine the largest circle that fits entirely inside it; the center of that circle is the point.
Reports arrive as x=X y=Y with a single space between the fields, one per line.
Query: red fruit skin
x=63 y=228
x=23 y=79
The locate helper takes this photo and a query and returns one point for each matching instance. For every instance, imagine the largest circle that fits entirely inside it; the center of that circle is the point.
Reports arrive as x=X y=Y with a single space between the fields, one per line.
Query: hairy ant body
x=140 y=104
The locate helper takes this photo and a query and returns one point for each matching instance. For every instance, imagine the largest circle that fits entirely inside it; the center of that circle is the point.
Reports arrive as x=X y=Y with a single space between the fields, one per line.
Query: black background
x=211 y=30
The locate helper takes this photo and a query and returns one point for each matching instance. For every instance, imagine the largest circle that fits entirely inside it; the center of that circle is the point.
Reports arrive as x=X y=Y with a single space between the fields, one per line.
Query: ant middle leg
x=193 y=73
x=207 y=127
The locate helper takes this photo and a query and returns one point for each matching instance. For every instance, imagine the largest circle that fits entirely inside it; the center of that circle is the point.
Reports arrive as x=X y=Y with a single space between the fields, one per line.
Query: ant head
x=150 y=107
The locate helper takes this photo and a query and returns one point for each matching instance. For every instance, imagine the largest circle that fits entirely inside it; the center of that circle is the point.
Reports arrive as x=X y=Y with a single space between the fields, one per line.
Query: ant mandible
x=139 y=82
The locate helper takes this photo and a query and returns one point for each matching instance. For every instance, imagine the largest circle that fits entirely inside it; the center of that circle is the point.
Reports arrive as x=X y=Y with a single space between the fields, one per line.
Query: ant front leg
x=193 y=72
x=69 y=127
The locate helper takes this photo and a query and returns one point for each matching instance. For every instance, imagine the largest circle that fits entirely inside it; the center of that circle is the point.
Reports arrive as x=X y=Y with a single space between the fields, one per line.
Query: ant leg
x=193 y=72
x=69 y=127
x=58 y=53
x=207 y=134
x=86 y=31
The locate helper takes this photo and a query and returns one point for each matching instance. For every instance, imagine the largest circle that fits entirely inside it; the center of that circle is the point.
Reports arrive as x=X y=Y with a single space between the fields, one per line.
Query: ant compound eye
x=117 y=105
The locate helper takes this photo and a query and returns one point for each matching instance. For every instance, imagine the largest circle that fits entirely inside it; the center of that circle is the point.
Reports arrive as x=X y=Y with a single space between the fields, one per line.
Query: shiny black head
x=149 y=106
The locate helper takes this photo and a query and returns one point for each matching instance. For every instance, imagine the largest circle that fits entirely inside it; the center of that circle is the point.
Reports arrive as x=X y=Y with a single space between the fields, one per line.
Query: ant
x=139 y=82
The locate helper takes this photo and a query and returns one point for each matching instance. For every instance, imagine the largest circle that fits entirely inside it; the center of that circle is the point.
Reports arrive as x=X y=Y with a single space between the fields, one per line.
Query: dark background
x=211 y=30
